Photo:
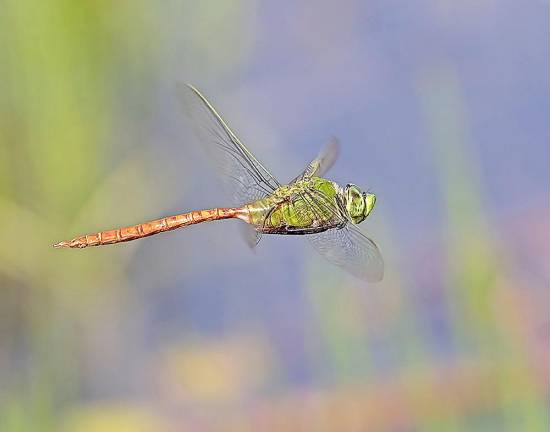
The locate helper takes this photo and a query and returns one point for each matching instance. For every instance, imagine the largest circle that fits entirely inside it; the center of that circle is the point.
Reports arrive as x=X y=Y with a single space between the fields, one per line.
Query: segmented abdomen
x=151 y=228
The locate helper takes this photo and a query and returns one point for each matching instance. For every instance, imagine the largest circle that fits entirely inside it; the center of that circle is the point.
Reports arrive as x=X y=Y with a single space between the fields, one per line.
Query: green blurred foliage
x=61 y=61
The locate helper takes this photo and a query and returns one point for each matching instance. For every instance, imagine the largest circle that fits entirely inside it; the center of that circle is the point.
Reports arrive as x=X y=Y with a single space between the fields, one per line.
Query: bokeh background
x=442 y=109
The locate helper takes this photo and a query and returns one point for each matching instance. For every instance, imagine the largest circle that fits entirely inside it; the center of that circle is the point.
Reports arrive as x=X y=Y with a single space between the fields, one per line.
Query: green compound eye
x=355 y=203
x=370 y=200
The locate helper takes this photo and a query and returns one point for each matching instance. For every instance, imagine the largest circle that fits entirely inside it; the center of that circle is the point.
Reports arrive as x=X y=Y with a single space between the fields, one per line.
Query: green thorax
x=297 y=207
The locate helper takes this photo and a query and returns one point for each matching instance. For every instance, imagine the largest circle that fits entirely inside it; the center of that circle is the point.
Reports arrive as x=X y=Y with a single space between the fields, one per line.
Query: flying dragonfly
x=326 y=213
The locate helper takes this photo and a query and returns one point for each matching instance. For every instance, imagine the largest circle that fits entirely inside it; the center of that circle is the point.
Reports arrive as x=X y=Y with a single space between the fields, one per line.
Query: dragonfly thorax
x=358 y=204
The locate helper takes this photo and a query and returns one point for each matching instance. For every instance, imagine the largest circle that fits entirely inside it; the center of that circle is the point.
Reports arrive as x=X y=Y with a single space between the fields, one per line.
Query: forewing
x=323 y=162
x=348 y=248
x=243 y=176
x=344 y=245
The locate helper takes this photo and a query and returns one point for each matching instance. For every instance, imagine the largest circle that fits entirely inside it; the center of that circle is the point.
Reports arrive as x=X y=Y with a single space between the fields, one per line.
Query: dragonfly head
x=370 y=202
x=358 y=204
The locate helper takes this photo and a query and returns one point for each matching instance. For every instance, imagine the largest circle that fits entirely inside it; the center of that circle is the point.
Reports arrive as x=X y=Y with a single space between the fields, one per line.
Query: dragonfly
x=321 y=210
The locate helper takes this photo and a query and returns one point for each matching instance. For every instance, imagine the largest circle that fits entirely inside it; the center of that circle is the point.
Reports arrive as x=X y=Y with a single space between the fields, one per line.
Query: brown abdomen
x=153 y=227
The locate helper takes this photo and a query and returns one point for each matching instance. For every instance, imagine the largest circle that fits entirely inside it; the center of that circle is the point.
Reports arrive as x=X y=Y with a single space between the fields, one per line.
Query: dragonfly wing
x=250 y=235
x=323 y=162
x=350 y=249
x=243 y=176
x=342 y=243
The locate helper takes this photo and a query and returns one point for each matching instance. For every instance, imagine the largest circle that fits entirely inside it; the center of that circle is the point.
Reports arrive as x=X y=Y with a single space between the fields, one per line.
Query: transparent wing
x=243 y=176
x=323 y=162
x=343 y=244
x=250 y=235
x=348 y=248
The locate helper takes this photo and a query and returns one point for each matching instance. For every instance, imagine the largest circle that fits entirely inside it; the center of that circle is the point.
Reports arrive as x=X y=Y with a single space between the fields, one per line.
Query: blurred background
x=442 y=110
